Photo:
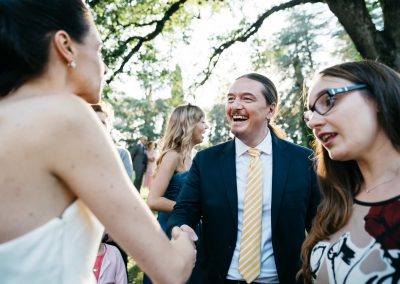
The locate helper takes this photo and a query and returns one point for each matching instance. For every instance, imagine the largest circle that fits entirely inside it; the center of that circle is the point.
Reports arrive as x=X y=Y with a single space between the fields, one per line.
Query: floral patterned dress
x=366 y=250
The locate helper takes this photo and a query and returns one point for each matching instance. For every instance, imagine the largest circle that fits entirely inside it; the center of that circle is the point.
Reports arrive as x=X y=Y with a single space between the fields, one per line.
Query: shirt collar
x=265 y=146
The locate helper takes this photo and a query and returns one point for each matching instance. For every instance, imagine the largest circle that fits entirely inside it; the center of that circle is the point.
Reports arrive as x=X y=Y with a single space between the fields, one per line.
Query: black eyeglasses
x=326 y=101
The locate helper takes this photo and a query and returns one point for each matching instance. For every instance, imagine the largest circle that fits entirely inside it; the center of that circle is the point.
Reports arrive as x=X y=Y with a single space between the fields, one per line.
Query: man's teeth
x=239 y=117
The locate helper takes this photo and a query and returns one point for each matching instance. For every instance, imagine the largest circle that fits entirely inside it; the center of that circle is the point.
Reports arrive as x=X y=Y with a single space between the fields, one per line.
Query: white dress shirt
x=268 y=273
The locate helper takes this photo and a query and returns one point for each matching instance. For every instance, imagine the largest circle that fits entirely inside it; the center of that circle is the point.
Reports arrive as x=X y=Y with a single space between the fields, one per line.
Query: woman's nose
x=315 y=120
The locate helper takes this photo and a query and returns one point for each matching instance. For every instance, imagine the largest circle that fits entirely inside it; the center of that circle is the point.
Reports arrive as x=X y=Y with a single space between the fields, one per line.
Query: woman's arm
x=82 y=155
x=166 y=170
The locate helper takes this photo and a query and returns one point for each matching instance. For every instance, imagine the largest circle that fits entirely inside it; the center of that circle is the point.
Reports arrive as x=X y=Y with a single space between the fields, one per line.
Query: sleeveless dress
x=61 y=251
x=172 y=192
x=366 y=250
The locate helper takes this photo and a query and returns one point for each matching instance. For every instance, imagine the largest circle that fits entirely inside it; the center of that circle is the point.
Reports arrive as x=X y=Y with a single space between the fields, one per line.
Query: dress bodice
x=175 y=185
x=172 y=192
x=63 y=250
x=365 y=250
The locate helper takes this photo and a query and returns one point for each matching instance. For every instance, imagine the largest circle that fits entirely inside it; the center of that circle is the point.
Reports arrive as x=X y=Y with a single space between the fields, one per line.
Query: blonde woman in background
x=186 y=128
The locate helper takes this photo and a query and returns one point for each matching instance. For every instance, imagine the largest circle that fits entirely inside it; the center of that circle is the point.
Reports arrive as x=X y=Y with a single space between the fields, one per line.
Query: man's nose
x=237 y=103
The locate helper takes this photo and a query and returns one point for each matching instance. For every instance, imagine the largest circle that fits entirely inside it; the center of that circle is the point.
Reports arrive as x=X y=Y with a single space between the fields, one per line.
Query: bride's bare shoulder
x=65 y=104
x=67 y=111
x=47 y=112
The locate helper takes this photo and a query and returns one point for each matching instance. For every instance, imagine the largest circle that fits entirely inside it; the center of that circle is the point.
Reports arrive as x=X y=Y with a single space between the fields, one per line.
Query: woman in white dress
x=61 y=177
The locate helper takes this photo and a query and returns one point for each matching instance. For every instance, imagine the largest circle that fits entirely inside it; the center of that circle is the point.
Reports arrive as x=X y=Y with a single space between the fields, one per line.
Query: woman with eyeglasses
x=354 y=112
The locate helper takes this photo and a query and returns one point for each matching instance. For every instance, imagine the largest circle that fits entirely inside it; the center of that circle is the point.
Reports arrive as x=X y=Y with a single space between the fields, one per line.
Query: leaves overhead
x=134 y=30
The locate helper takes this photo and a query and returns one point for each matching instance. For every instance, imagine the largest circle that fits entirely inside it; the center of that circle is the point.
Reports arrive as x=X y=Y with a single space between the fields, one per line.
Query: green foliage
x=177 y=93
x=345 y=49
x=292 y=52
x=141 y=36
x=151 y=75
x=219 y=127
x=135 y=275
x=135 y=118
x=129 y=30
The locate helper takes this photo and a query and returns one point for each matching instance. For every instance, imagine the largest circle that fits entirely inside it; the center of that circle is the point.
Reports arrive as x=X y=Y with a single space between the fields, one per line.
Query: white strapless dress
x=62 y=251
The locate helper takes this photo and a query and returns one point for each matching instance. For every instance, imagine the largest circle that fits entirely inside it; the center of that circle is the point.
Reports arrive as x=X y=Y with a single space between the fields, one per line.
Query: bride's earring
x=72 y=64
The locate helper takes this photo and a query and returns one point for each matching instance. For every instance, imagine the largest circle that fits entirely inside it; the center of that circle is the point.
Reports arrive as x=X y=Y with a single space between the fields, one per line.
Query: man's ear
x=271 y=109
x=64 y=46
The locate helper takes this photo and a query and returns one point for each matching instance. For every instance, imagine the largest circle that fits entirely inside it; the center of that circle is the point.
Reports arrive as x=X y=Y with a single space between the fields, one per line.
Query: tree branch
x=371 y=43
x=244 y=35
x=357 y=22
x=141 y=40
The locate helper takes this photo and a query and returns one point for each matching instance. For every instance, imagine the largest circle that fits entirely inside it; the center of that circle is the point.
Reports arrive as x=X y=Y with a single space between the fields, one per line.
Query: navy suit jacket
x=210 y=194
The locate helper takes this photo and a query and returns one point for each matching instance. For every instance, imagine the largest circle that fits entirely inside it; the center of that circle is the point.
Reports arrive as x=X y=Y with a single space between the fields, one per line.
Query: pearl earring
x=72 y=64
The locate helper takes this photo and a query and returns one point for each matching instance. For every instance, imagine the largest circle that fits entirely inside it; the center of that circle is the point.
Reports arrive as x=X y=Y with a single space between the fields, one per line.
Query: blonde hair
x=179 y=132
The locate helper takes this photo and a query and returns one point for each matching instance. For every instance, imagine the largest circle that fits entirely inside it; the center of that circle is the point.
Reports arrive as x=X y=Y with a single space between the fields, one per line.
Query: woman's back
x=61 y=251
x=28 y=139
x=41 y=230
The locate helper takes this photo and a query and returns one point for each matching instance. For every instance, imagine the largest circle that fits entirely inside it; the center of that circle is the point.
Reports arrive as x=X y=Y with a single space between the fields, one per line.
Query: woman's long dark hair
x=26 y=29
x=340 y=181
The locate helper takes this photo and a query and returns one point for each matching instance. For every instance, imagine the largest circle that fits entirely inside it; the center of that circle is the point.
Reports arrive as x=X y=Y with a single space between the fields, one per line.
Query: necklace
x=368 y=190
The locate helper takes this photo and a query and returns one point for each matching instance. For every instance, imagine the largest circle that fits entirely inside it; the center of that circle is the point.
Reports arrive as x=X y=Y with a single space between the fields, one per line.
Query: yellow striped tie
x=250 y=243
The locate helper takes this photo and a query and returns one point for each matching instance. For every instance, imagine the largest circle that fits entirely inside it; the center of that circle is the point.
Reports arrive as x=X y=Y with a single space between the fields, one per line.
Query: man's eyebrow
x=243 y=94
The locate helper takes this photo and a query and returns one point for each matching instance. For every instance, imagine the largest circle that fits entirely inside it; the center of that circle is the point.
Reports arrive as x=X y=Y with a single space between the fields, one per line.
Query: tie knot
x=254 y=152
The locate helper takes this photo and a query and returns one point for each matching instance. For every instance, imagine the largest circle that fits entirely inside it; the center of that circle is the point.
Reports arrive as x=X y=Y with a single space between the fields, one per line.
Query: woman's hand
x=184 y=244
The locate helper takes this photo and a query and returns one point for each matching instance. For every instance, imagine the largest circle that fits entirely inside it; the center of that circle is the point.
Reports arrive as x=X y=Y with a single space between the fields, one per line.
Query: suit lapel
x=280 y=167
x=227 y=165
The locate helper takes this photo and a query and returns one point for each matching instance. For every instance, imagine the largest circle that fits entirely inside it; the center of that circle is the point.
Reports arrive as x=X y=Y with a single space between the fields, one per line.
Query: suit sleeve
x=127 y=161
x=187 y=209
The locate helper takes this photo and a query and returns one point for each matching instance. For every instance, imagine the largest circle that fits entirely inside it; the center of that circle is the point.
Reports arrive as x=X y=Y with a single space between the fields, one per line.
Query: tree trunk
x=384 y=45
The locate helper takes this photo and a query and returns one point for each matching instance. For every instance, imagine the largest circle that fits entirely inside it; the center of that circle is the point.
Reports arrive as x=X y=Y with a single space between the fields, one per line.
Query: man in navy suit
x=216 y=184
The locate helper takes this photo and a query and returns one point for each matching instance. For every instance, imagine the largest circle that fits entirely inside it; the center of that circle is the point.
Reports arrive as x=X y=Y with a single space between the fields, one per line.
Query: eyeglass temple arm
x=346 y=89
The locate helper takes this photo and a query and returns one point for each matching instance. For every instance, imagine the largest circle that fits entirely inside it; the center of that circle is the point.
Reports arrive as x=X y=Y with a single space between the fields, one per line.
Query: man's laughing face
x=247 y=111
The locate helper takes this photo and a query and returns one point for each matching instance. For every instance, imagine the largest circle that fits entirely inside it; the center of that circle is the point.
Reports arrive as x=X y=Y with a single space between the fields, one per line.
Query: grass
x=135 y=274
